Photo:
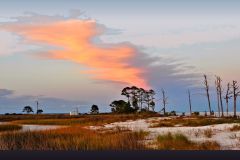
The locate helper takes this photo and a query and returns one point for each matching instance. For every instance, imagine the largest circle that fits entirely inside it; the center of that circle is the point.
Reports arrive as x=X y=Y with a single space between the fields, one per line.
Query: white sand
x=221 y=134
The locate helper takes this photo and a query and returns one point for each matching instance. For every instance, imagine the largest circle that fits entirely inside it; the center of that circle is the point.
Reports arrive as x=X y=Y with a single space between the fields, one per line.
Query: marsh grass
x=235 y=128
x=181 y=142
x=193 y=122
x=9 y=127
x=72 y=138
x=162 y=124
x=85 y=120
x=208 y=133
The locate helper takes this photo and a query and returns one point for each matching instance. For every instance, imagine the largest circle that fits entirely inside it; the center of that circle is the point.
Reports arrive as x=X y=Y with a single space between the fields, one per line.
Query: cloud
x=74 y=39
x=5 y=92
x=79 y=41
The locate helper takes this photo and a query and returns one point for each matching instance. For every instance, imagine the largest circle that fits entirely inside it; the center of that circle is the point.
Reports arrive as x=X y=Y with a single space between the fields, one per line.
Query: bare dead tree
x=164 y=101
x=217 y=90
x=227 y=96
x=236 y=93
x=207 y=93
x=190 y=102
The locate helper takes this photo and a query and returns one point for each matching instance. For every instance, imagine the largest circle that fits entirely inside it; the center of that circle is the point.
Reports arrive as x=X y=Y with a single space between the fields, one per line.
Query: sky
x=75 y=53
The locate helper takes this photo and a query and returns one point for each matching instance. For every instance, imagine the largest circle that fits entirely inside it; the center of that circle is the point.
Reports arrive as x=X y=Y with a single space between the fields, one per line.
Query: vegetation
x=193 y=122
x=94 y=109
x=9 y=127
x=208 y=133
x=235 y=128
x=39 y=111
x=138 y=99
x=72 y=138
x=181 y=142
x=85 y=120
x=27 y=109
x=121 y=106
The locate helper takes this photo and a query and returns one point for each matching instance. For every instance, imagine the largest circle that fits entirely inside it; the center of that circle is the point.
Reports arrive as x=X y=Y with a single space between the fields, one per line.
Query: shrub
x=208 y=133
x=9 y=127
x=235 y=128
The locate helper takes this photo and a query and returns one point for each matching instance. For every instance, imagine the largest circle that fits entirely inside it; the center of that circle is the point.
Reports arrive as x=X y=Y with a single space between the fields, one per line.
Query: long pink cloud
x=74 y=39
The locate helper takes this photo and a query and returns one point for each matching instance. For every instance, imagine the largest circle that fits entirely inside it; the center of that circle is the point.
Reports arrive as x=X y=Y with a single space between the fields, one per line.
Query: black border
x=120 y=155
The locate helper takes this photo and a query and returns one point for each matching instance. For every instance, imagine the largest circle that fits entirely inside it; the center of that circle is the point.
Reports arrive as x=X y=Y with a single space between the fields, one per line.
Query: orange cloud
x=74 y=37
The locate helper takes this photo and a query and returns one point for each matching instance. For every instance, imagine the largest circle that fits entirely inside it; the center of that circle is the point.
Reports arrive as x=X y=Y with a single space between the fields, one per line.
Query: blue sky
x=186 y=38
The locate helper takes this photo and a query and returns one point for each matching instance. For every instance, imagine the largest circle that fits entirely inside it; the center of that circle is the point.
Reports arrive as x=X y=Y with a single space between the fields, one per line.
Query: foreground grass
x=72 y=138
x=181 y=142
x=193 y=122
x=235 y=128
x=9 y=127
x=86 y=120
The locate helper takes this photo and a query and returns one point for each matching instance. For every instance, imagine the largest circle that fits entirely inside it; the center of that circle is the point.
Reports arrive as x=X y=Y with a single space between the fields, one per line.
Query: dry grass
x=72 y=138
x=86 y=120
x=235 y=128
x=9 y=127
x=193 y=122
x=208 y=133
x=181 y=142
x=160 y=124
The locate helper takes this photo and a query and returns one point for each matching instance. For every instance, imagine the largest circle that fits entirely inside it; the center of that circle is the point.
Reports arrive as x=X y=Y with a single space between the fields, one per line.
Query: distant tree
x=27 y=109
x=235 y=92
x=207 y=92
x=190 y=102
x=218 y=103
x=219 y=92
x=164 y=101
x=127 y=92
x=39 y=111
x=227 y=97
x=94 y=109
x=120 y=106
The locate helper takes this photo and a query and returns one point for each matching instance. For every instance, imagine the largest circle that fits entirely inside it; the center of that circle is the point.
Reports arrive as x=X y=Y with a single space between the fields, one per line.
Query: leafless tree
x=236 y=93
x=190 y=102
x=207 y=92
x=227 y=96
x=217 y=90
x=218 y=83
x=164 y=101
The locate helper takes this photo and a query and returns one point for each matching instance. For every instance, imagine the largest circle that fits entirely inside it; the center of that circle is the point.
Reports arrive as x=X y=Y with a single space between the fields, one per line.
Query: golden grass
x=181 y=142
x=208 y=133
x=235 y=128
x=193 y=122
x=9 y=127
x=72 y=138
x=162 y=124
x=86 y=120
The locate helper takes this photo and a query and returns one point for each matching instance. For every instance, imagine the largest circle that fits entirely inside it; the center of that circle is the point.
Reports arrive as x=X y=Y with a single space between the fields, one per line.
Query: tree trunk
x=207 y=92
x=190 y=103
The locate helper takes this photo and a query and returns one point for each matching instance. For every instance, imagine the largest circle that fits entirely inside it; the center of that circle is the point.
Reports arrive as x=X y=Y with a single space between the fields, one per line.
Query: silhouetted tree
x=227 y=96
x=207 y=92
x=164 y=101
x=236 y=93
x=219 y=93
x=151 y=95
x=94 y=109
x=190 y=102
x=120 y=106
x=39 y=111
x=27 y=109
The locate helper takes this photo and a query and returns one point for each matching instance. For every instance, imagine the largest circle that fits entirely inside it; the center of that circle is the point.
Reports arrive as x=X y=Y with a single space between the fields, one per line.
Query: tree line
x=139 y=99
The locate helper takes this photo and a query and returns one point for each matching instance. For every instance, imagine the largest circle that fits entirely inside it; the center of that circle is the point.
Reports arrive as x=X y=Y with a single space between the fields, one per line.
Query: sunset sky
x=75 y=53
